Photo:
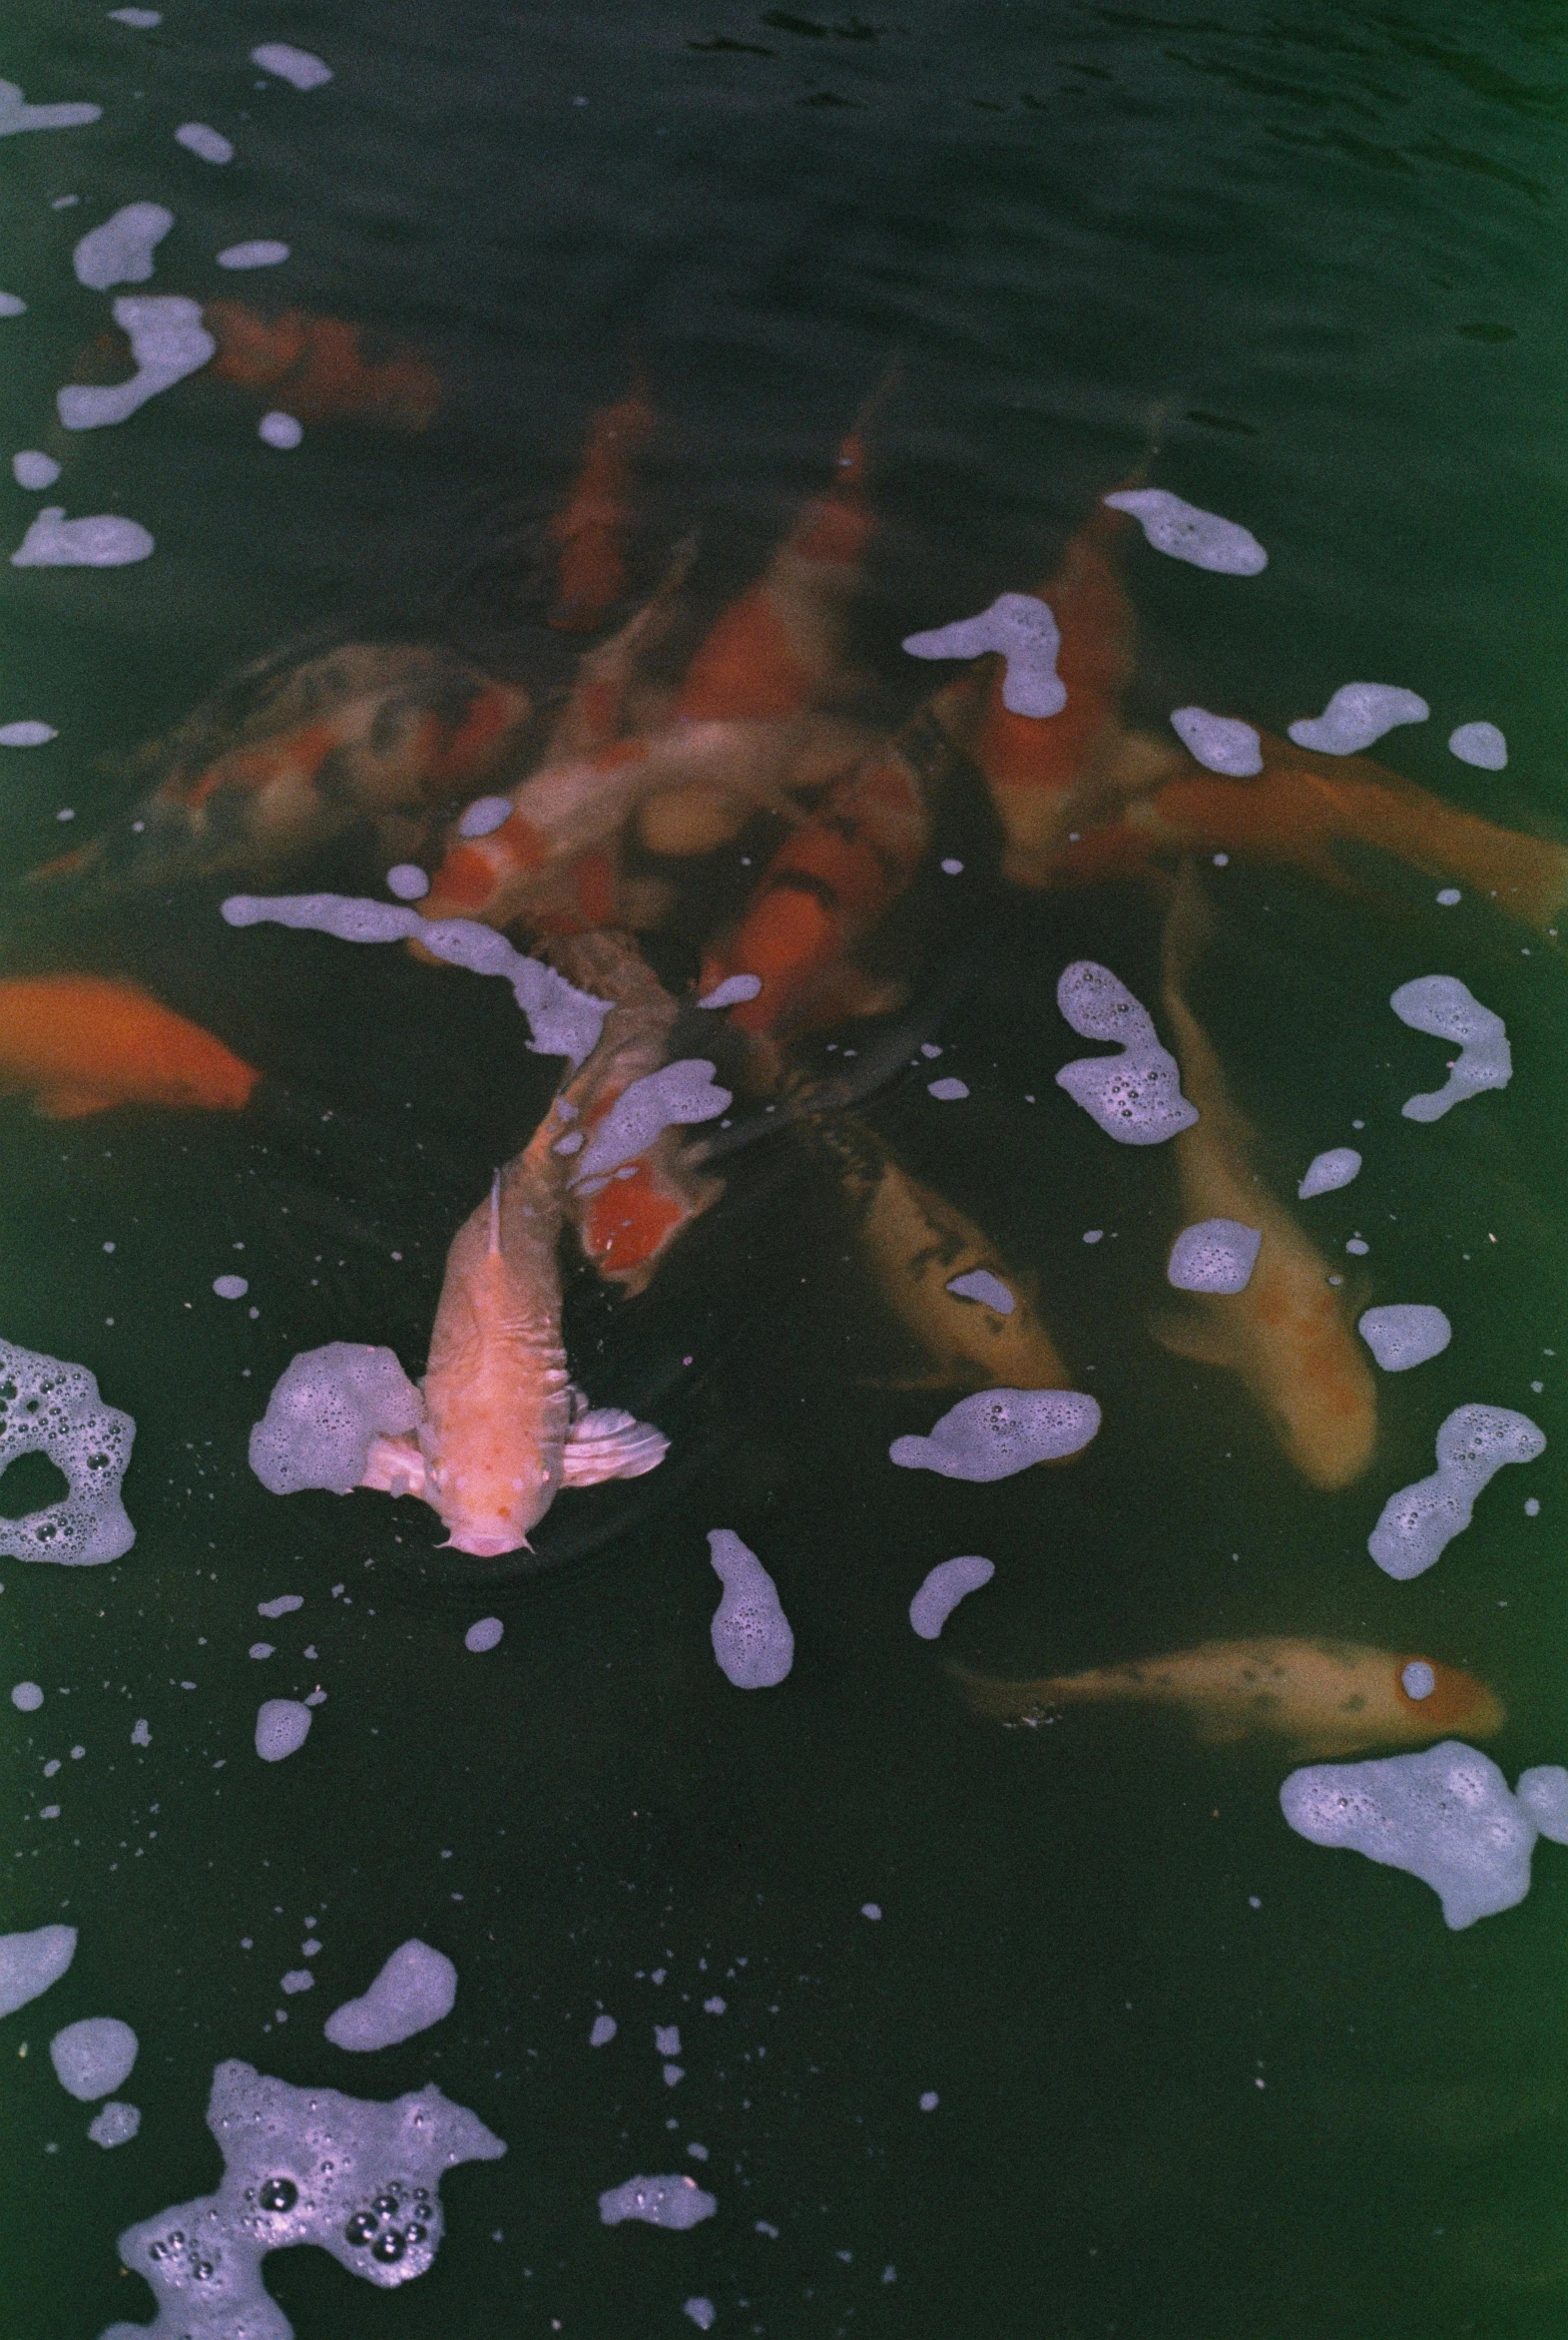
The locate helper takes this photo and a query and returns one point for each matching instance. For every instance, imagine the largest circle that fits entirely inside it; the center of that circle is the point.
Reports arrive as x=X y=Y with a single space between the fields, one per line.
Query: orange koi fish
x=1325 y=1697
x=321 y=368
x=1288 y=1334
x=87 y=1043
x=384 y=736
x=590 y=533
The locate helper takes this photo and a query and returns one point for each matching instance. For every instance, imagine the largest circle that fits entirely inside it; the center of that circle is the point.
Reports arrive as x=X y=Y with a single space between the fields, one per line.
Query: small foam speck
x=280 y=429
x=27 y=1697
x=231 y=1287
x=483 y=1636
x=198 y=138
x=260 y=252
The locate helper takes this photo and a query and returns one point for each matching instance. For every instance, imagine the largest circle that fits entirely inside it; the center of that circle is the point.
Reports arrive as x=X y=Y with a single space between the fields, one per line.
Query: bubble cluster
x=1327 y=1172
x=1189 y=534
x=1135 y=1097
x=416 y=1987
x=1215 y=1255
x=1449 y=1010
x=281 y=1727
x=752 y=1639
x=1404 y=1334
x=30 y=1963
x=999 y=1431
x=1220 y=743
x=1481 y=744
x=168 y=341
x=52 y=1409
x=1022 y=628
x=1357 y=714
x=120 y=252
x=101 y=541
x=676 y=2202
x=16 y=114
x=326 y=1409
x=92 y=2057
x=116 y=2124
x=945 y=1587
x=677 y=1093
x=1473 y=1444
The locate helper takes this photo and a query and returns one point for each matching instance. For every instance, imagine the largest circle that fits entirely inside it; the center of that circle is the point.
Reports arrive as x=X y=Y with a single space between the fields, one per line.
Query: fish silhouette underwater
x=82 y=1045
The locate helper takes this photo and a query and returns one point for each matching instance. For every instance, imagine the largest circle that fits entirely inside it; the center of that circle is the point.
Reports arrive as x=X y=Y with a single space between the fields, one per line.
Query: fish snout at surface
x=1456 y=1706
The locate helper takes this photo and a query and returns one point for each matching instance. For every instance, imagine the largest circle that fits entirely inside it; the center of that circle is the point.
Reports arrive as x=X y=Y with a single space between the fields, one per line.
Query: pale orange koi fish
x=85 y=1043
x=1288 y=1334
x=590 y=530
x=322 y=369
x=1324 y=1697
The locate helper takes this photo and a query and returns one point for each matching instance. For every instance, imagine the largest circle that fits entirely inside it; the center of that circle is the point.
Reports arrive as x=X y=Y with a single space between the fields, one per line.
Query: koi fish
x=384 y=737
x=1301 y=809
x=87 y=1043
x=589 y=531
x=322 y=369
x=1325 y=1697
x=1289 y=1334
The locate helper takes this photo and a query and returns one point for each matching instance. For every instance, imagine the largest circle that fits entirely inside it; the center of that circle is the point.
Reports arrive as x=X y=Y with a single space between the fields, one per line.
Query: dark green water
x=1329 y=242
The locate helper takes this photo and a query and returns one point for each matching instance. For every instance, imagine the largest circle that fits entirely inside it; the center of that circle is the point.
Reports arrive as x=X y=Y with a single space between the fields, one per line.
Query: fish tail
x=1002 y=1700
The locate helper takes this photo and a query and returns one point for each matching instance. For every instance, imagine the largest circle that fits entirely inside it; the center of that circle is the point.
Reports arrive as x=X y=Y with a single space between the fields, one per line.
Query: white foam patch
x=261 y=252
x=16 y=114
x=485 y=1634
x=1482 y=744
x=25 y=1697
x=563 y=1021
x=200 y=138
x=702 y=2312
x=1404 y=1334
x=997 y=1432
x=407 y=881
x=1357 y=714
x=675 y=1095
x=416 y=1988
x=1326 y=1172
x=1023 y=629
x=281 y=430
x=604 y=2031
x=676 y=2202
x=945 y=1586
x=12 y=305
x=93 y=2058
x=979 y=1285
x=168 y=341
x=731 y=991
x=1135 y=1097
x=1445 y=1815
x=1473 y=1444
x=282 y=1606
x=949 y=1090
x=1417 y=1679
x=1188 y=533
x=300 y=2165
x=1220 y=743
x=283 y=1726
x=27 y=735
x=326 y=1408
x=32 y=468
x=1215 y=1255
x=101 y=541
x=485 y=816
x=230 y=1286
x=1543 y=1794
x=30 y=1963
x=116 y=2124
x=751 y=1636
x=52 y=1409
x=120 y=252
x=298 y=66
x=1445 y=1007
x=141 y=20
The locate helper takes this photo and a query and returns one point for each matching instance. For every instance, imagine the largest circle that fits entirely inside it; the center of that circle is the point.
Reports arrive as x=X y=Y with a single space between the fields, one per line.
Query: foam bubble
x=1445 y=1815
x=101 y=541
x=978 y=1283
x=326 y=1408
x=140 y=1736
x=16 y=114
x=1357 y=714
x=116 y=2124
x=751 y=1636
x=416 y=1988
x=261 y=252
x=1220 y=743
x=25 y=1697
x=200 y=138
x=52 y=1409
x=1448 y=1009
x=141 y=20
x=32 y=468
x=1023 y=629
x=1135 y=1097
x=484 y=1635
x=484 y=816
x=563 y=1021
x=298 y=66
x=230 y=1286
x=1419 y=1680
x=297 y=1979
x=1473 y=1444
x=92 y=2057
x=281 y=1727
x=1215 y=1255
x=1449 y=897
x=1189 y=534
x=30 y=1963
x=677 y=1094
x=731 y=991
x=11 y=304
x=666 y=2038
x=604 y=2031
x=407 y=881
x=120 y=252
x=1326 y=1172
x=702 y=2311
x=27 y=735
x=168 y=341
x=1404 y=1334
x=945 y=1587
x=676 y=2202
x=281 y=430
x=282 y=1606
x=997 y=1432
x=1482 y=744
x=947 y=1091
x=1543 y=1795
x=300 y=2165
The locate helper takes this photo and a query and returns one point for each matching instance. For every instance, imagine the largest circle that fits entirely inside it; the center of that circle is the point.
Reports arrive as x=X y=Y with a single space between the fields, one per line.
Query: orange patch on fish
x=628 y=1223
x=589 y=531
x=321 y=368
x=87 y=1043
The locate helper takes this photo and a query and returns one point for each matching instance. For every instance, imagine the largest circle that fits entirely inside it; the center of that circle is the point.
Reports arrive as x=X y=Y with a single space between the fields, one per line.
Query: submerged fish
x=322 y=369
x=1324 y=1697
x=85 y=1043
x=1289 y=1334
x=590 y=529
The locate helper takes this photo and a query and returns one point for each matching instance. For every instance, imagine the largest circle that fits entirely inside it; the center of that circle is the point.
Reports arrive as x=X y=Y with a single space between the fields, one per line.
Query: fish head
x=489 y=1490
x=1456 y=1706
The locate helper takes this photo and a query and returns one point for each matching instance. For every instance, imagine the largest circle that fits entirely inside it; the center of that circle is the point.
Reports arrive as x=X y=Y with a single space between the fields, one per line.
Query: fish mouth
x=484 y=1548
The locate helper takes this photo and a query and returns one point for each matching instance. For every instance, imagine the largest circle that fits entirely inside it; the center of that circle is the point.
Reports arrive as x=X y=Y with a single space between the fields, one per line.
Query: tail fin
x=1001 y=1700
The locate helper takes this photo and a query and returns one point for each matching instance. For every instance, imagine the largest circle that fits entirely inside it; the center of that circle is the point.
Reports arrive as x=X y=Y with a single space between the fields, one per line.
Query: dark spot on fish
x=335 y=776
x=780 y=21
x=722 y=41
x=1226 y=421
x=1355 y=1704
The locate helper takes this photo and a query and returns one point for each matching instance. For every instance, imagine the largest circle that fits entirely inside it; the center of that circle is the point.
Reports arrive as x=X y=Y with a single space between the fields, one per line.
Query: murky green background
x=1328 y=241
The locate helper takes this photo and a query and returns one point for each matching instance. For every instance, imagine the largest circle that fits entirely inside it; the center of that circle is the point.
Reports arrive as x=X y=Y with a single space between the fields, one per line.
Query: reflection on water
x=564 y=552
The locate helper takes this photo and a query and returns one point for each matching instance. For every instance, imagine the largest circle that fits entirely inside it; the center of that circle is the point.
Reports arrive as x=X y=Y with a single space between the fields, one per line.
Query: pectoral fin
x=610 y=1444
x=1192 y=1336
x=394 y=1466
